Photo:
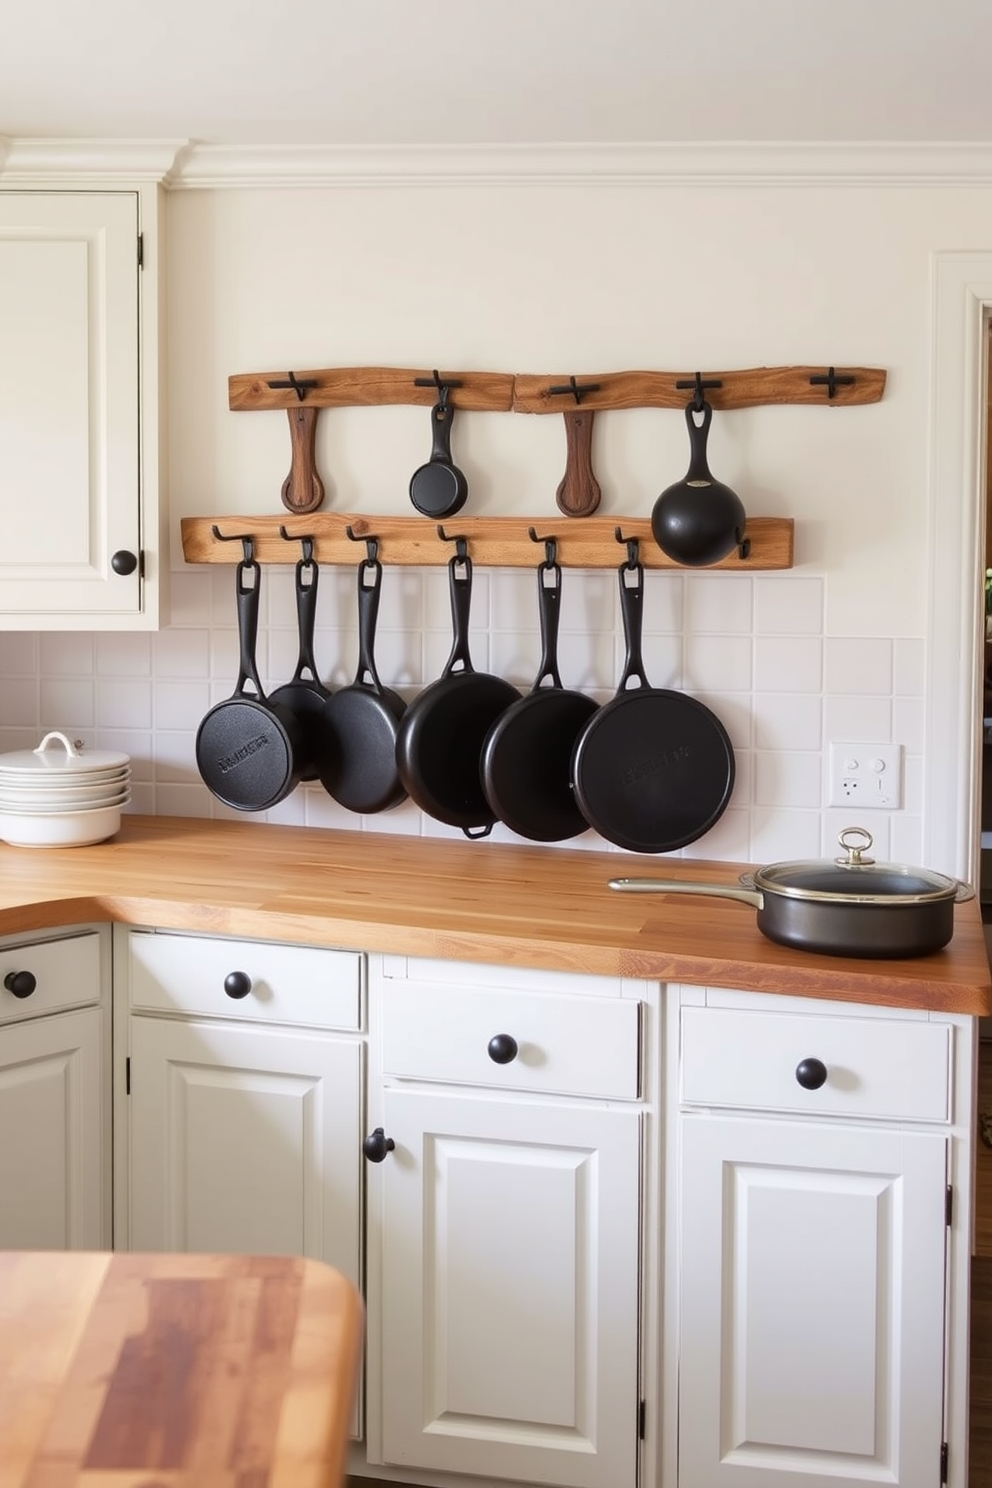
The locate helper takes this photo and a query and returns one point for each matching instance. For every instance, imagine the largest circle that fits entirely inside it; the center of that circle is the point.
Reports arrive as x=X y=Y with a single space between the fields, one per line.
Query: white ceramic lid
x=65 y=760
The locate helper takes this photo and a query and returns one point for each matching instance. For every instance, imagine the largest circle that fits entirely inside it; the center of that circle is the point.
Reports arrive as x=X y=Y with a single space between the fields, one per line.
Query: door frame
x=961 y=302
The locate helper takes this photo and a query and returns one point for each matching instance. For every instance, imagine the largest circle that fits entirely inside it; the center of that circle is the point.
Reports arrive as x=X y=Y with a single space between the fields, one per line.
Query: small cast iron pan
x=653 y=769
x=304 y=694
x=527 y=755
x=359 y=723
x=248 y=749
x=442 y=733
x=439 y=489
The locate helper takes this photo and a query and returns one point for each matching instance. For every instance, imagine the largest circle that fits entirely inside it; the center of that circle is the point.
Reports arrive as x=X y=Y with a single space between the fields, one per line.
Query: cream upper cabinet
x=78 y=436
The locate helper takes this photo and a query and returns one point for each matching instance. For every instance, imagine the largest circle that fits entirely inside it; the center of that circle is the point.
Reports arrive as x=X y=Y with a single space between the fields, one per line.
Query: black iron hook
x=830 y=381
x=550 y=548
x=305 y=541
x=371 y=543
x=298 y=384
x=698 y=385
x=633 y=547
x=244 y=538
x=576 y=391
x=442 y=387
x=460 y=542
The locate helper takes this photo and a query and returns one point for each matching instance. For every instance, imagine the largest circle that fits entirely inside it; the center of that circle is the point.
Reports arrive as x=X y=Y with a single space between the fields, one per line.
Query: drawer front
x=288 y=984
x=66 y=974
x=564 y=1045
x=875 y=1068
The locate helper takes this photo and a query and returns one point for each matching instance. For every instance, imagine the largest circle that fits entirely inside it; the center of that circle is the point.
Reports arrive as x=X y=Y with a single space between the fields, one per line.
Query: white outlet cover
x=865 y=777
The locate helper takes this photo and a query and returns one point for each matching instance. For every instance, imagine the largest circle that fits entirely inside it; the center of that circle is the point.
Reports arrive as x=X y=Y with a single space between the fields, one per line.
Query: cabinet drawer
x=288 y=984
x=66 y=973
x=565 y=1045
x=875 y=1067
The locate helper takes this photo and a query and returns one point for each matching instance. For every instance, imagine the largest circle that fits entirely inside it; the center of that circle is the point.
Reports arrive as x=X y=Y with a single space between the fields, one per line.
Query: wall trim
x=188 y=165
x=961 y=300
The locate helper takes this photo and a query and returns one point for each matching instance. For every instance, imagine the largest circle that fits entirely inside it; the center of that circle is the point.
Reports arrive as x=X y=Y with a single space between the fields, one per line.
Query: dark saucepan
x=852 y=906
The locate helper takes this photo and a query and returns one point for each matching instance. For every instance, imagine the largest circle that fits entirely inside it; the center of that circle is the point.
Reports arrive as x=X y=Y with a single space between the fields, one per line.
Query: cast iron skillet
x=439 y=488
x=442 y=733
x=653 y=769
x=304 y=694
x=359 y=723
x=527 y=755
x=247 y=749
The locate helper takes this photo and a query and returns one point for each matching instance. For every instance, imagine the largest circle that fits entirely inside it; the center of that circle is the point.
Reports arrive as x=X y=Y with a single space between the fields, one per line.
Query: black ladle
x=698 y=520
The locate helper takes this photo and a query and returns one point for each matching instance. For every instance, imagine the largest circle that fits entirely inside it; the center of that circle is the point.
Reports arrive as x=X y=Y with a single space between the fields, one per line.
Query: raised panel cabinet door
x=69 y=402
x=245 y=1140
x=510 y=1289
x=54 y=1170
x=812 y=1305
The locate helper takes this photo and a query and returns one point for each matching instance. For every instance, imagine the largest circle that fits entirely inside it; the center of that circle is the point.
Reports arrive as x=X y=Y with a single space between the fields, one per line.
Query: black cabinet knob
x=502 y=1048
x=811 y=1073
x=377 y=1144
x=124 y=562
x=237 y=984
x=21 y=983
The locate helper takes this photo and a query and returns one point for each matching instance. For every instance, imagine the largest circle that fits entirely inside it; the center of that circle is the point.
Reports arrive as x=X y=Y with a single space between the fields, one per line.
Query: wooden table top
x=178 y=1371
x=493 y=902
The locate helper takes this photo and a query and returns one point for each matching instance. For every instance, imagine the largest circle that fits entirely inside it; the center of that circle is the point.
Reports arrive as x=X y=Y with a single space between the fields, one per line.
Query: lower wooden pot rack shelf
x=497 y=542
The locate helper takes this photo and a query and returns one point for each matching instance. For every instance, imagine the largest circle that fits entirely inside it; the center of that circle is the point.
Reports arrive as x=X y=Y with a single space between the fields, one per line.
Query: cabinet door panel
x=245 y=1140
x=69 y=415
x=52 y=1168
x=510 y=1264
x=812 y=1305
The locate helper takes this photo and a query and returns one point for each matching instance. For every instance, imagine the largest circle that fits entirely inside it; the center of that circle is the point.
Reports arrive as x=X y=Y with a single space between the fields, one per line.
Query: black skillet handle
x=442 y=417
x=306 y=615
x=247 y=601
x=369 y=586
x=460 y=590
x=699 y=469
x=632 y=609
x=549 y=606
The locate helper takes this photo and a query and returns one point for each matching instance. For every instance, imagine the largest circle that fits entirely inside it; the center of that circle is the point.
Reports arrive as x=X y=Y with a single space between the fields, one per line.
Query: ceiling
x=388 y=72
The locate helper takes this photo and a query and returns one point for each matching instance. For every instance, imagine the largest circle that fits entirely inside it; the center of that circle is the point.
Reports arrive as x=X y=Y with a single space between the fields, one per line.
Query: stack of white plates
x=62 y=797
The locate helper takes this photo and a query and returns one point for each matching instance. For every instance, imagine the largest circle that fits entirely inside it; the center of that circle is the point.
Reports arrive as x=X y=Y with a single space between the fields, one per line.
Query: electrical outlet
x=866 y=777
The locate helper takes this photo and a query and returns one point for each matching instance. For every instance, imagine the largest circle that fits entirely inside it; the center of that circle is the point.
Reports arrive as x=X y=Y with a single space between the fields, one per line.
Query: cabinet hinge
x=127 y=1076
x=141 y=250
x=642 y=1417
x=949 y=1206
x=943 y=1462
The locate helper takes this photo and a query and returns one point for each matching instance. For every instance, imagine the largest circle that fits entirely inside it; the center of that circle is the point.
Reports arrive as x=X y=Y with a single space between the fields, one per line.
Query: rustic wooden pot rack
x=510 y=542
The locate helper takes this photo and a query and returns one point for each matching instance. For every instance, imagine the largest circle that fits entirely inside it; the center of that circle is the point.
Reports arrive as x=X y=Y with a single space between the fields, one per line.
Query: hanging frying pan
x=698 y=520
x=359 y=723
x=442 y=733
x=304 y=694
x=653 y=769
x=527 y=755
x=439 y=488
x=247 y=749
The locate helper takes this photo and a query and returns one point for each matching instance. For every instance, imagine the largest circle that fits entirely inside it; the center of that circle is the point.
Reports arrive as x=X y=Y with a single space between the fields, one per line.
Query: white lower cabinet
x=507 y=1232
x=54 y=1111
x=813 y=1265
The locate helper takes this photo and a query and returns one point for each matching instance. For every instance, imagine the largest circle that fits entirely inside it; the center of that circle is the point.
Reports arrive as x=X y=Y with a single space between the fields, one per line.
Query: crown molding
x=187 y=165
x=40 y=162
x=219 y=166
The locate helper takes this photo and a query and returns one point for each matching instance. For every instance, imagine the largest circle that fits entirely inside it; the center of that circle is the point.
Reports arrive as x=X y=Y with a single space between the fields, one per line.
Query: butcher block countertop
x=491 y=902
x=188 y=1370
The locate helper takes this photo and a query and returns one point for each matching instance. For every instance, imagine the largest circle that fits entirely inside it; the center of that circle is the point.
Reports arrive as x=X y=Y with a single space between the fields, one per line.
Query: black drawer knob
x=237 y=984
x=502 y=1048
x=377 y=1144
x=811 y=1073
x=21 y=983
x=123 y=562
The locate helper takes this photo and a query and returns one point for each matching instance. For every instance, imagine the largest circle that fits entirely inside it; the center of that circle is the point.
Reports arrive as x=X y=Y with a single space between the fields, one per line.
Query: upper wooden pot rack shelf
x=506 y=392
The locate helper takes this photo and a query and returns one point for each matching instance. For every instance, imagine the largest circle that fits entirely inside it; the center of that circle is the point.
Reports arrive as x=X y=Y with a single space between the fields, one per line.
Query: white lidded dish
x=44 y=764
x=60 y=797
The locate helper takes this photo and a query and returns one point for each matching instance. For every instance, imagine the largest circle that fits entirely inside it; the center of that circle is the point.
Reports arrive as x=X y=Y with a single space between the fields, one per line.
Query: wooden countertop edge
x=466 y=919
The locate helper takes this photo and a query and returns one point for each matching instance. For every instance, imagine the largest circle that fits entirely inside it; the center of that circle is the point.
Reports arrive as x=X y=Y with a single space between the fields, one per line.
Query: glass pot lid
x=855 y=878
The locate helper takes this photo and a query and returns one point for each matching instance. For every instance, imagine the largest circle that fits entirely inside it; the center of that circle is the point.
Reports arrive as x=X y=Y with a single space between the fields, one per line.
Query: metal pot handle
x=676 y=886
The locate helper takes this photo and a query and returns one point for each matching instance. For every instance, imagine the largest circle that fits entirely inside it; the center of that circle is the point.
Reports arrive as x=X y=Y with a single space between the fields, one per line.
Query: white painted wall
x=563 y=279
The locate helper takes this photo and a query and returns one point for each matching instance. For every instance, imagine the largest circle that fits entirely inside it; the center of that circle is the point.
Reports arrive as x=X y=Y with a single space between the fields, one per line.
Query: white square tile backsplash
x=751 y=647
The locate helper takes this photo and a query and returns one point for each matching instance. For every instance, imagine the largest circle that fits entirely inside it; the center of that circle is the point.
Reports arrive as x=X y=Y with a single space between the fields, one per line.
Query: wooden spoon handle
x=303 y=489
x=579 y=493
